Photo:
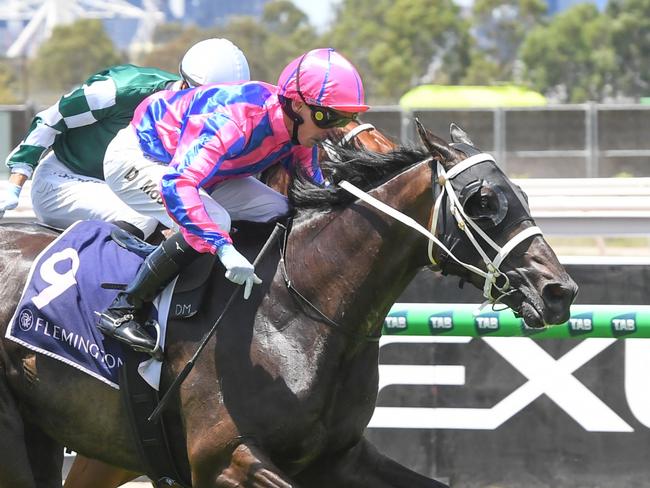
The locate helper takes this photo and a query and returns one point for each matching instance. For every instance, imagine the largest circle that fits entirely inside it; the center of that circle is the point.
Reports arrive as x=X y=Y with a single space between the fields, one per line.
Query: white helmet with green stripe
x=214 y=61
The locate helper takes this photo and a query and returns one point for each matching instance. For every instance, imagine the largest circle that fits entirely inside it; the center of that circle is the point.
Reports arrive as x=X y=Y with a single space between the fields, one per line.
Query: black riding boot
x=121 y=319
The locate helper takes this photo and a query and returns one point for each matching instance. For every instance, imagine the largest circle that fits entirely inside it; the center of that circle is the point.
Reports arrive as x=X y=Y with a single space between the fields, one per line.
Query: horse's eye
x=481 y=203
x=485 y=206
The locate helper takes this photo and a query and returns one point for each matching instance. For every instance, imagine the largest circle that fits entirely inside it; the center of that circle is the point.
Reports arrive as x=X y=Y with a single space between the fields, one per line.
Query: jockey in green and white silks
x=65 y=146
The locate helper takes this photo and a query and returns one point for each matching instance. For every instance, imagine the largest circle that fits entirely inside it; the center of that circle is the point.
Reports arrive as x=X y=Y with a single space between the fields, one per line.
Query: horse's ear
x=459 y=135
x=438 y=148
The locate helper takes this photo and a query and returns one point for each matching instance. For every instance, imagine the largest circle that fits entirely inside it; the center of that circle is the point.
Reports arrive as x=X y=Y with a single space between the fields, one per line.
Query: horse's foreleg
x=249 y=467
x=15 y=469
x=45 y=457
x=362 y=466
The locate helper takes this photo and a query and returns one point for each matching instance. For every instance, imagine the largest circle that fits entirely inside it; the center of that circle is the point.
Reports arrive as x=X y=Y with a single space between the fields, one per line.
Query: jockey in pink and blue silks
x=201 y=148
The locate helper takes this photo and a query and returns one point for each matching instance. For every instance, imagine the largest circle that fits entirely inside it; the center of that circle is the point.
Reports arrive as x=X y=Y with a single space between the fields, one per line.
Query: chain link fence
x=562 y=141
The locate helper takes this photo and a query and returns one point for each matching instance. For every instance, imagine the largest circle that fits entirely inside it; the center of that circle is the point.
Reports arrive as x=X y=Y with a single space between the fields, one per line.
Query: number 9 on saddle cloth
x=56 y=314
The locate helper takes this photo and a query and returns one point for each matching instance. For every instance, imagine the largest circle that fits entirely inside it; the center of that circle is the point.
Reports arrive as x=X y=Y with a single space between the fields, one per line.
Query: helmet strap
x=297 y=120
x=187 y=79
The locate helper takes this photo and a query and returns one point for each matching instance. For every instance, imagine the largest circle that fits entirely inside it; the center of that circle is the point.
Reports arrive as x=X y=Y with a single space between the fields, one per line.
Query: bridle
x=346 y=139
x=441 y=184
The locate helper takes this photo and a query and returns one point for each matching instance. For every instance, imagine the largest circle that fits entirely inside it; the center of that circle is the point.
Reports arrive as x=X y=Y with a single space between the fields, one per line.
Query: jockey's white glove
x=9 y=200
x=238 y=269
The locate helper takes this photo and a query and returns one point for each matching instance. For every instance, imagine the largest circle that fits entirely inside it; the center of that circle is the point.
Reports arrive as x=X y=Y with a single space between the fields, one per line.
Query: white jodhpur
x=60 y=197
x=136 y=179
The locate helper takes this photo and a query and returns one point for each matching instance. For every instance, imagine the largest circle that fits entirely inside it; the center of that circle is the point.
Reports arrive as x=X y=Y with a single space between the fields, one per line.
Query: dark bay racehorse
x=284 y=391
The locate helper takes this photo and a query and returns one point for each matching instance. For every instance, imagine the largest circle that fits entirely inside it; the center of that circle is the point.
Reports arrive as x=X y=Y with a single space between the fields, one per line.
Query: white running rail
x=562 y=206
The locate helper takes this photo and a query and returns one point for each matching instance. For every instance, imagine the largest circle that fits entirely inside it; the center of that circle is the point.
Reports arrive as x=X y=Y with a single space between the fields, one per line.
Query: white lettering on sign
x=444 y=322
x=637 y=362
x=395 y=323
x=624 y=325
x=84 y=345
x=490 y=323
x=581 y=324
x=545 y=376
x=59 y=282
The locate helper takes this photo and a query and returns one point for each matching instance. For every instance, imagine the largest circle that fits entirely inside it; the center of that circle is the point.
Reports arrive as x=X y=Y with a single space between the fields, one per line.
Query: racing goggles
x=327 y=118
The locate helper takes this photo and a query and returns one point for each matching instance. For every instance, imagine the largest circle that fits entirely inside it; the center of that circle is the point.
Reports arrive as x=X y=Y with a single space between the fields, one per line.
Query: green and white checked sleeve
x=82 y=106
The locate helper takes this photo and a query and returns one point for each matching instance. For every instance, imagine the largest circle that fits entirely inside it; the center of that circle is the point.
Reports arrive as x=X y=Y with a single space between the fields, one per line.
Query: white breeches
x=60 y=197
x=136 y=180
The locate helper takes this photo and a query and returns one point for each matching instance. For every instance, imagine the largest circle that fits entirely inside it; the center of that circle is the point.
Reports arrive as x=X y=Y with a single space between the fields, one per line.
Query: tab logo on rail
x=581 y=324
x=623 y=324
x=396 y=322
x=486 y=323
x=441 y=322
x=545 y=375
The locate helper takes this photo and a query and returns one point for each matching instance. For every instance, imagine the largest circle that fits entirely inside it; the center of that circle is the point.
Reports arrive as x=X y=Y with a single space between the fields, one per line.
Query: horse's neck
x=354 y=264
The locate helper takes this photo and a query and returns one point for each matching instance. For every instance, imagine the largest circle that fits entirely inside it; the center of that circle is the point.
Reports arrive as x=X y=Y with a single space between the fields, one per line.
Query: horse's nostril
x=554 y=291
x=557 y=299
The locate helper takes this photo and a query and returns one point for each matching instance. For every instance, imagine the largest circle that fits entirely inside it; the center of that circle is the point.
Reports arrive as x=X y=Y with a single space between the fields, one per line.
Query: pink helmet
x=325 y=78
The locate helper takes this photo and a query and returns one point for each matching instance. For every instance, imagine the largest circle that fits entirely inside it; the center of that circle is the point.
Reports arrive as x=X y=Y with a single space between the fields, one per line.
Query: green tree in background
x=572 y=58
x=71 y=54
x=398 y=44
x=483 y=70
x=168 y=32
x=500 y=27
x=630 y=39
x=252 y=37
x=8 y=82
x=172 y=42
x=291 y=34
x=356 y=31
x=283 y=33
x=576 y=56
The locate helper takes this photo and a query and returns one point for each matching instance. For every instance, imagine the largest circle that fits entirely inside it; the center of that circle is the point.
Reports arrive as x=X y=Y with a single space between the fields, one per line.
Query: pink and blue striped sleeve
x=205 y=143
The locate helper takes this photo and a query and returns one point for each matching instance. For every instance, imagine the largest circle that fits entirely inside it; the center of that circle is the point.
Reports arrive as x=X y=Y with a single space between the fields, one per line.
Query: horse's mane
x=362 y=168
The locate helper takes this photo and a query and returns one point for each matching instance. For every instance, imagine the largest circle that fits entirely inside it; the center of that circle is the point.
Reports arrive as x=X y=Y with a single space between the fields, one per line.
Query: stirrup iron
x=115 y=323
x=157 y=352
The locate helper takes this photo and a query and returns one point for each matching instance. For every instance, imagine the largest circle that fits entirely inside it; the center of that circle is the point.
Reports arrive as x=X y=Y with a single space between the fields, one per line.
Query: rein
x=326 y=320
x=283 y=254
x=173 y=387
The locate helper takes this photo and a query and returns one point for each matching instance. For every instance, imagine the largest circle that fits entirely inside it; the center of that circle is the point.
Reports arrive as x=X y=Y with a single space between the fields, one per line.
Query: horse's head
x=484 y=221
